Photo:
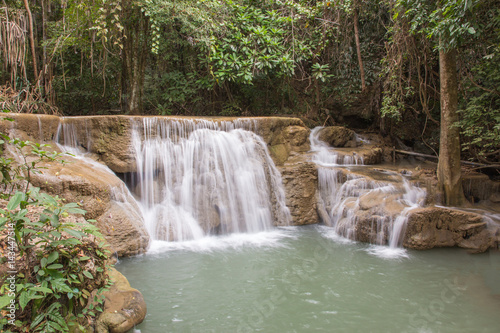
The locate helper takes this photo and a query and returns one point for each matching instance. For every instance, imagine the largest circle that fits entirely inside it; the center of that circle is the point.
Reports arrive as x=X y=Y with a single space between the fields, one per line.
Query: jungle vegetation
x=416 y=70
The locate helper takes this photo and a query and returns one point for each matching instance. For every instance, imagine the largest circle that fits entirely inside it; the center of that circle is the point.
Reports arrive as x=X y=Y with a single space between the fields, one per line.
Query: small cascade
x=69 y=141
x=326 y=156
x=363 y=203
x=197 y=177
x=69 y=138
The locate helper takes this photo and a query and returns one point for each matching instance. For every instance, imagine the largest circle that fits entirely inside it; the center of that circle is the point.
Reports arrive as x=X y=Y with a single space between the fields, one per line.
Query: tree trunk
x=449 y=171
x=32 y=40
x=135 y=51
x=358 y=50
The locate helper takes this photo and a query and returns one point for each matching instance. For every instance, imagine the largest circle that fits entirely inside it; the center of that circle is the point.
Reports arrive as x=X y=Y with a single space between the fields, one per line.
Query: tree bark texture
x=135 y=51
x=358 y=49
x=449 y=171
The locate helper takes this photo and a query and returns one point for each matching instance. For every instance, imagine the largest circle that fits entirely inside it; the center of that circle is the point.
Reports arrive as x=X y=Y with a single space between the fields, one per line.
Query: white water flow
x=196 y=178
x=68 y=140
x=352 y=193
x=326 y=156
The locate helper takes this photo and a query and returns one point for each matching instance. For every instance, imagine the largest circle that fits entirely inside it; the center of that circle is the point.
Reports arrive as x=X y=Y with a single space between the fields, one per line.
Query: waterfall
x=198 y=177
x=194 y=177
x=325 y=156
x=357 y=197
x=68 y=141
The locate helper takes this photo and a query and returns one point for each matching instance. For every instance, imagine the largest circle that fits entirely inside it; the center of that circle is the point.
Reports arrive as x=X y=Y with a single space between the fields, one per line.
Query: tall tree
x=449 y=171
x=358 y=45
x=134 y=56
x=446 y=22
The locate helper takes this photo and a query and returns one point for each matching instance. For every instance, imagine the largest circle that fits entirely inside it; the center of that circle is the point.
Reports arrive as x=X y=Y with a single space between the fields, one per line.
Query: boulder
x=478 y=186
x=124 y=306
x=105 y=198
x=336 y=136
x=286 y=141
x=441 y=227
x=300 y=180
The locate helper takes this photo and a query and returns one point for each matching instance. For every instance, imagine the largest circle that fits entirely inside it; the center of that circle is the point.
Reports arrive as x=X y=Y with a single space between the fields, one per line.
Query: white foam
x=271 y=239
x=386 y=252
x=331 y=234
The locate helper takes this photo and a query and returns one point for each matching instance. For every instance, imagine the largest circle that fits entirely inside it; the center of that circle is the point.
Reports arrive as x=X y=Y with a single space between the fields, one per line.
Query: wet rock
x=478 y=186
x=495 y=197
x=336 y=136
x=124 y=306
x=288 y=141
x=300 y=180
x=372 y=156
x=104 y=196
x=441 y=227
x=124 y=230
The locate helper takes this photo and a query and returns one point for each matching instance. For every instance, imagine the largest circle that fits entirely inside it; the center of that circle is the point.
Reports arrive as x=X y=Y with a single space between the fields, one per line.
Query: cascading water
x=350 y=194
x=68 y=140
x=197 y=177
x=325 y=156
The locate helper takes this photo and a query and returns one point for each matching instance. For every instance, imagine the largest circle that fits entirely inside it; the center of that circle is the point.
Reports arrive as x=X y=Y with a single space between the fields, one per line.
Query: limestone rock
x=123 y=229
x=336 y=136
x=109 y=137
x=39 y=128
x=297 y=138
x=300 y=180
x=495 y=197
x=124 y=306
x=438 y=227
x=478 y=186
x=104 y=196
x=288 y=140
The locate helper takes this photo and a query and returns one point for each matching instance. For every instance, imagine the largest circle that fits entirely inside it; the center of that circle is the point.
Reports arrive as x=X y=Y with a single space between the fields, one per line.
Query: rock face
x=124 y=306
x=104 y=196
x=336 y=136
x=440 y=227
x=478 y=186
x=300 y=179
x=284 y=137
x=109 y=137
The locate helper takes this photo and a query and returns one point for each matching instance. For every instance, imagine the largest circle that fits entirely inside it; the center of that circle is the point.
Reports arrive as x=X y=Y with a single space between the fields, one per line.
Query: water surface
x=306 y=279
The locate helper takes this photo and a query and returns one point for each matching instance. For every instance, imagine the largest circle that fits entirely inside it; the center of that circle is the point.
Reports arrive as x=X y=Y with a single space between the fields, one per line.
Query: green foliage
x=448 y=21
x=255 y=44
x=61 y=263
x=320 y=72
x=480 y=115
x=14 y=175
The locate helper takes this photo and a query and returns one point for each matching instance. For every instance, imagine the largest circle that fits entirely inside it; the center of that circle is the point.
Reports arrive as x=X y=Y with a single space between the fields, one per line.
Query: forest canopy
x=364 y=63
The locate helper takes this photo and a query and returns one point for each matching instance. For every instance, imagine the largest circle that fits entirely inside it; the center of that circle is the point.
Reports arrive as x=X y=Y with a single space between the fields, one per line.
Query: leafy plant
x=62 y=263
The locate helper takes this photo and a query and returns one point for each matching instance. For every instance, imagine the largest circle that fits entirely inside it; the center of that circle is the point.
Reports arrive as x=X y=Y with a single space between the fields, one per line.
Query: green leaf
x=16 y=200
x=43 y=262
x=24 y=299
x=74 y=233
x=52 y=257
x=48 y=199
x=37 y=320
x=54 y=221
x=42 y=289
x=76 y=211
x=4 y=301
x=88 y=274
x=55 y=266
